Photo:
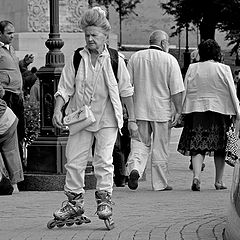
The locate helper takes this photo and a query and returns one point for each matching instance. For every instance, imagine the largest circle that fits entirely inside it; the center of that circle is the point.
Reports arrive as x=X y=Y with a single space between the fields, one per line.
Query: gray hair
x=157 y=37
x=95 y=17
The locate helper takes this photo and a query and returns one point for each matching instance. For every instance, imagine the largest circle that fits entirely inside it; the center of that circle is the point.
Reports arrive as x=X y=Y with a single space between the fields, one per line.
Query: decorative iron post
x=49 y=74
x=46 y=153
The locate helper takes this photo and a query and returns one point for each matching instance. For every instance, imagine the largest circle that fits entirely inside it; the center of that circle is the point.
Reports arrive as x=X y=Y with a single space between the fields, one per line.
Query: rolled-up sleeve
x=66 y=85
x=125 y=87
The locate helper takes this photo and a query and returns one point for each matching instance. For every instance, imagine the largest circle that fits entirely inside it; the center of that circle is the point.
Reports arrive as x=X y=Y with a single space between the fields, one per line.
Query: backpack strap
x=114 y=60
x=113 y=55
x=76 y=59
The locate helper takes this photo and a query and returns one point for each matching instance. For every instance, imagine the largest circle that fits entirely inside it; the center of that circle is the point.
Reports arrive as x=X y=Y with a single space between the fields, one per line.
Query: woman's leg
x=78 y=153
x=197 y=161
x=219 y=161
x=103 y=160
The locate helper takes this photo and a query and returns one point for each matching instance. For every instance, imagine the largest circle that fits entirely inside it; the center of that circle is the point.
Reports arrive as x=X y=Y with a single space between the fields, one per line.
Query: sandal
x=219 y=186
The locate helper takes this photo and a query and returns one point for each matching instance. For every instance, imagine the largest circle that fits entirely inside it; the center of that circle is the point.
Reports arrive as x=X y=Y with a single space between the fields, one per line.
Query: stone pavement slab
x=143 y=214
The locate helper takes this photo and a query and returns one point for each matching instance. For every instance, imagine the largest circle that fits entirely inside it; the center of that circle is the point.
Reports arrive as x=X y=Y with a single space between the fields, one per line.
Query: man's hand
x=133 y=129
x=28 y=59
x=175 y=119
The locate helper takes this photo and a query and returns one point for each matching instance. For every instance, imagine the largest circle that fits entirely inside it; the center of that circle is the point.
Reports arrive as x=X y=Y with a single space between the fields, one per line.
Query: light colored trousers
x=10 y=160
x=152 y=142
x=79 y=151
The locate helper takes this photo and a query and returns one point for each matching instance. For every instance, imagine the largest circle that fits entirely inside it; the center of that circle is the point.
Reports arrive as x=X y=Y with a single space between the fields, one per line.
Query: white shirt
x=5 y=45
x=156 y=76
x=84 y=84
x=210 y=87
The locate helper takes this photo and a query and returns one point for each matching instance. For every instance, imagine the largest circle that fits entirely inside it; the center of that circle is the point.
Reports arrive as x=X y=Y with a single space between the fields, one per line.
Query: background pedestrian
x=209 y=102
x=11 y=78
x=157 y=80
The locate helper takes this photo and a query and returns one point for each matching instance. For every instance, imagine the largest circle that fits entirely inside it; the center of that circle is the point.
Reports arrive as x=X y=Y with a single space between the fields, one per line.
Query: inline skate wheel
x=59 y=225
x=82 y=219
x=69 y=224
x=78 y=222
x=51 y=224
x=109 y=223
x=86 y=219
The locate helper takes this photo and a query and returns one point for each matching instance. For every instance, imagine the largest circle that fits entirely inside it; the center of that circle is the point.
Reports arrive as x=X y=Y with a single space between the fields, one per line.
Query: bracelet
x=132 y=120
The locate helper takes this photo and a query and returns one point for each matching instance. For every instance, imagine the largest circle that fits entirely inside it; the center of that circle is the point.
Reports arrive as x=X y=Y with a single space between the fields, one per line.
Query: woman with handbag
x=94 y=94
x=209 y=102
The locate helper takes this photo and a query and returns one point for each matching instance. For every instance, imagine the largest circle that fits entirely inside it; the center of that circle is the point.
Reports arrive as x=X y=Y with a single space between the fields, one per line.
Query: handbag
x=232 y=155
x=80 y=119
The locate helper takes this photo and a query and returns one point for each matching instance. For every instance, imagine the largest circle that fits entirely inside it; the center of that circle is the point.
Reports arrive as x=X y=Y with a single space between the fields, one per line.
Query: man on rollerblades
x=93 y=87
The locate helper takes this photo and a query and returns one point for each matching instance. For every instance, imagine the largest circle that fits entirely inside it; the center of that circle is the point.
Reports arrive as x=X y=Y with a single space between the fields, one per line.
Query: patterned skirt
x=204 y=133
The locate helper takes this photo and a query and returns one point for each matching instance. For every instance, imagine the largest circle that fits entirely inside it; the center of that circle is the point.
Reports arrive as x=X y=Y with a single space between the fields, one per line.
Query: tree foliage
x=123 y=7
x=208 y=15
x=231 y=24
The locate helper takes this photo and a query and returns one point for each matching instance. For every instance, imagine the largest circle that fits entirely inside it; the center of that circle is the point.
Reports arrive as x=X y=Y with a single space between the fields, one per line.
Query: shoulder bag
x=83 y=117
x=232 y=155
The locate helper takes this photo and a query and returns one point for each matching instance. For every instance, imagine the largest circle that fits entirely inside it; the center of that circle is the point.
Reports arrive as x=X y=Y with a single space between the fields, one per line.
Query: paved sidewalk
x=140 y=215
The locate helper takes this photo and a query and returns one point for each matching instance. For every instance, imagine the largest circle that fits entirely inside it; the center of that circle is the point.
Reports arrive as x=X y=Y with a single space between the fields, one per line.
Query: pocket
x=4 y=78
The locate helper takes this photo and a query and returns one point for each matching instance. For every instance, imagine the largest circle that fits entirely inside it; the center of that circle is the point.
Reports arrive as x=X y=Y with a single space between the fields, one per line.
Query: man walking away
x=157 y=80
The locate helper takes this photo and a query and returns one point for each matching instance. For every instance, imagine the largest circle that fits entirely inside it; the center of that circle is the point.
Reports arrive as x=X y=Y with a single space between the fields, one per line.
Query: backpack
x=113 y=55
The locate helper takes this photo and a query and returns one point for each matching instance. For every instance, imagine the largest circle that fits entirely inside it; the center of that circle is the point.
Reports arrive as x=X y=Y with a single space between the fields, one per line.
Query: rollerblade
x=104 y=208
x=70 y=213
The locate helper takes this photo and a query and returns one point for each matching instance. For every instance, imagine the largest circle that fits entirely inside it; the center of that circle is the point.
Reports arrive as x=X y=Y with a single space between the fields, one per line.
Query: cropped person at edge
x=11 y=77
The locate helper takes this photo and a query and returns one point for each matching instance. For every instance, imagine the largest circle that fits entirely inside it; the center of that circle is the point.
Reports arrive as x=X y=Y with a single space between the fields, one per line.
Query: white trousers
x=152 y=143
x=79 y=151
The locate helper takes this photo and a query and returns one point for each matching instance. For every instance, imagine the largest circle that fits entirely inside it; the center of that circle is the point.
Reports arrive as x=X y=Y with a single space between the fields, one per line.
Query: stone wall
x=17 y=12
x=33 y=15
x=69 y=15
x=34 y=43
x=31 y=19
